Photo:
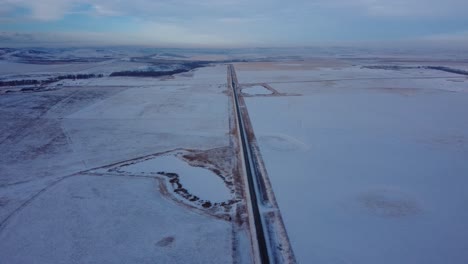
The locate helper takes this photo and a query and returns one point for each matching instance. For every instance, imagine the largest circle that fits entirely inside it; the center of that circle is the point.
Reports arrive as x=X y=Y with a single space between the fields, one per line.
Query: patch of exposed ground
x=218 y=160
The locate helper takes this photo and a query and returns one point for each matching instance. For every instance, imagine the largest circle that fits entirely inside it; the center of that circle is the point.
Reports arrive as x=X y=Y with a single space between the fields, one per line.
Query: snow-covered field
x=256 y=90
x=106 y=219
x=367 y=162
x=368 y=166
x=57 y=204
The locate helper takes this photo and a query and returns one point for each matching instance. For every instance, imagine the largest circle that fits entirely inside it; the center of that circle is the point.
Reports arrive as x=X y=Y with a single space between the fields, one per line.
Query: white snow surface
x=87 y=219
x=256 y=90
x=366 y=174
x=47 y=135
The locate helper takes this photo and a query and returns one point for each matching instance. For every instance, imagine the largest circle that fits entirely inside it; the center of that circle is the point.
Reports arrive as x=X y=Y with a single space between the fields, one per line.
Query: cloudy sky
x=232 y=23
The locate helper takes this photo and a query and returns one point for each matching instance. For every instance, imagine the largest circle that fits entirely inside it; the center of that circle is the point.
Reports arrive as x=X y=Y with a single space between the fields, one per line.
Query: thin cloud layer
x=54 y=9
x=223 y=22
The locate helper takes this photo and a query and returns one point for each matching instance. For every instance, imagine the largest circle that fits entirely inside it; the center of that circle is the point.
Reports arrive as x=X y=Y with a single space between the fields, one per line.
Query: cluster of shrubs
x=50 y=80
x=389 y=67
x=438 y=68
x=186 y=67
x=148 y=73
x=447 y=69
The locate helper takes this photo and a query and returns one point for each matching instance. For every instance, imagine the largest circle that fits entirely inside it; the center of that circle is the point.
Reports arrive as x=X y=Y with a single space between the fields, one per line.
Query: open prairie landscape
x=232 y=156
x=368 y=161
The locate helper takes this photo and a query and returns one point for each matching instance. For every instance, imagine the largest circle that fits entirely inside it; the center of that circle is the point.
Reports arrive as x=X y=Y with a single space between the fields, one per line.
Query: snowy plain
x=256 y=90
x=54 y=208
x=368 y=166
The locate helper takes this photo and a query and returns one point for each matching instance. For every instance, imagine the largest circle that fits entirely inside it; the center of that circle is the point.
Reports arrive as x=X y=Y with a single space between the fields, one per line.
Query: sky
x=232 y=23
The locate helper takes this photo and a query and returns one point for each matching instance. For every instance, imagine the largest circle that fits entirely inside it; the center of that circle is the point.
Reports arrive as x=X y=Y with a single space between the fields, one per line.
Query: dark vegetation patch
x=52 y=61
x=179 y=189
x=49 y=58
x=171 y=55
x=6 y=50
x=50 y=80
x=447 y=69
x=398 y=68
x=166 y=66
x=390 y=67
x=147 y=73
x=184 y=67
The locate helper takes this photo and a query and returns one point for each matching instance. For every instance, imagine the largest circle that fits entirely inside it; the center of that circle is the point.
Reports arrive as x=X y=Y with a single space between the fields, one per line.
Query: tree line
x=50 y=80
x=185 y=67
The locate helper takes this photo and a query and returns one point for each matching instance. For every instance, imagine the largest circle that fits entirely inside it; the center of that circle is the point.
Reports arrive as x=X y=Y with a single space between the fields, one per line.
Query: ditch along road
x=269 y=239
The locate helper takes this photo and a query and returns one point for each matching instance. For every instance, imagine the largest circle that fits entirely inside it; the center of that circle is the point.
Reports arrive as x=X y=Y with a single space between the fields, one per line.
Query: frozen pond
x=198 y=181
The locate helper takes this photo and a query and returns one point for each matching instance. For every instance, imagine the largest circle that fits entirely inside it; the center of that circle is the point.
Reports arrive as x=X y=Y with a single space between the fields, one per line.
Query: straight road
x=262 y=249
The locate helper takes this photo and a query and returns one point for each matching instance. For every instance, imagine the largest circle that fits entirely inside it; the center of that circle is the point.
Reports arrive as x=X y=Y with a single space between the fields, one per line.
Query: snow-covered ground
x=368 y=166
x=89 y=219
x=256 y=90
x=57 y=206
